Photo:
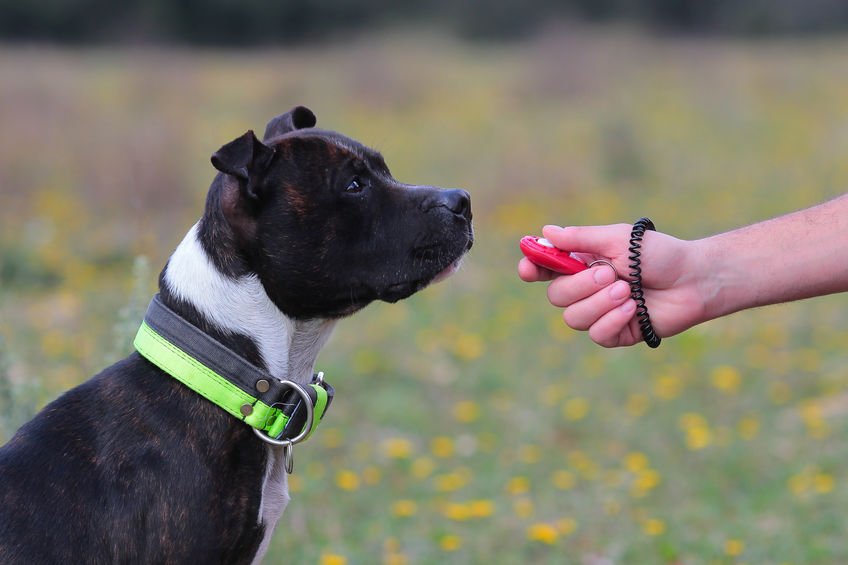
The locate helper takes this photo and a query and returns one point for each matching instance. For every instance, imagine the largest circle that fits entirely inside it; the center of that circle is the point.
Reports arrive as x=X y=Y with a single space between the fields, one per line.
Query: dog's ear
x=245 y=158
x=298 y=117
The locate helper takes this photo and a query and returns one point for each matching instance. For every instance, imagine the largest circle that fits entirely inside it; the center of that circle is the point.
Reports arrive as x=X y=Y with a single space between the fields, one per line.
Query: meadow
x=470 y=425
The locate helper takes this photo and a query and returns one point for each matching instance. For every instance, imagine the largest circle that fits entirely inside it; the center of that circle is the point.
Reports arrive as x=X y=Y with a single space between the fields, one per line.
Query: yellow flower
x=698 y=438
x=733 y=547
x=551 y=394
x=332 y=437
x=466 y=411
x=726 y=378
x=635 y=461
x=545 y=533
x=518 y=485
x=749 y=428
x=667 y=387
x=575 y=409
x=522 y=507
x=395 y=559
x=365 y=361
x=810 y=411
x=558 y=330
x=823 y=483
x=637 y=404
x=333 y=559
x=564 y=480
x=450 y=543
x=588 y=468
x=646 y=479
x=371 y=475
x=566 y=525
x=456 y=511
x=422 y=468
x=53 y=343
x=653 y=527
x=468 y=346
x=481 y=508
x=799 y=483
x=612 y=507
x=448 y=482
x=295 y=483
x=404 y=508
x=397 y=448
x=530 y=454
x=347 y=480
x=818 y=429
x=692 y=420
x=442 y=446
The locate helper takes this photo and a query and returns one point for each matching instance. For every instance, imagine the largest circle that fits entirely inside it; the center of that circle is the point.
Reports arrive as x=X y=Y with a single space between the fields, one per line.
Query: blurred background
x=470 y=425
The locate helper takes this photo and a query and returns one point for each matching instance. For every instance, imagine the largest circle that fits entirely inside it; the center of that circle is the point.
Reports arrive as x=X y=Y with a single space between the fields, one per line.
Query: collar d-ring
x=307 y=428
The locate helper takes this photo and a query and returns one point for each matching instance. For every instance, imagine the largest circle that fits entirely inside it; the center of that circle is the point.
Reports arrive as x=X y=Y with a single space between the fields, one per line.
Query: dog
x=300 y=229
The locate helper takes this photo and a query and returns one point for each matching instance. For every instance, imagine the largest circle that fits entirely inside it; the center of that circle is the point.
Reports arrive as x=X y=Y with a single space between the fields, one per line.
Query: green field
x=470 y=425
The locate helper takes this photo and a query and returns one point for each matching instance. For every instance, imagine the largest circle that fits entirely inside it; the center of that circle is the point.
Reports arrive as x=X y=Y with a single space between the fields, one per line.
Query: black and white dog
x=300 y=229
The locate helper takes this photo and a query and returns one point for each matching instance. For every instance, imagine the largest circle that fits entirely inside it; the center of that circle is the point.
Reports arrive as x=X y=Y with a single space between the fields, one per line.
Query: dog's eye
x=354 y=187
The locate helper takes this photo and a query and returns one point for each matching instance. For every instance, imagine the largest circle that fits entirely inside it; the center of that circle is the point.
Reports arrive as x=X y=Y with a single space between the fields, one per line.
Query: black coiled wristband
x=648 y=333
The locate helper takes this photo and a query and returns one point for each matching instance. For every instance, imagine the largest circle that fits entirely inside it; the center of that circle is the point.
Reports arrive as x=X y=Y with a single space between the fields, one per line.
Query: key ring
x=604 y=261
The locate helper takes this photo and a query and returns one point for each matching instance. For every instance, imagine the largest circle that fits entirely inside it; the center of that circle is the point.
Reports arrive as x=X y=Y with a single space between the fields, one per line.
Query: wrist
x=721 y=283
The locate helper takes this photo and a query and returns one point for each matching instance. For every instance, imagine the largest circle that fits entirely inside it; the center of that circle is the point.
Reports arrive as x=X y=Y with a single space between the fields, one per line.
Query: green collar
x=281 y=412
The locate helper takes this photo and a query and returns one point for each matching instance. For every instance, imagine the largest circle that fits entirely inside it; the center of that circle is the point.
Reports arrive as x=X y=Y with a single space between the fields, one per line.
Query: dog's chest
x=275 y=497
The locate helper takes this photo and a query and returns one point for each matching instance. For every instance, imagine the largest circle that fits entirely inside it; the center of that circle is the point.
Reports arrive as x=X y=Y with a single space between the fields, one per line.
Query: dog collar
x=281 y=412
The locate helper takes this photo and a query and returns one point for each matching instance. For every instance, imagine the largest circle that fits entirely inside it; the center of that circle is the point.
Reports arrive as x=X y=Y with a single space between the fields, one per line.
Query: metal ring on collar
x=604 y=261
x=307 y=428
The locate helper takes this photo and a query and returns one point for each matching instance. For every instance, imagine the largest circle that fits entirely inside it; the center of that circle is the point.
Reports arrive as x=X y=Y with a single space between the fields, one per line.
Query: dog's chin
x=451 y=269
x=402 y=290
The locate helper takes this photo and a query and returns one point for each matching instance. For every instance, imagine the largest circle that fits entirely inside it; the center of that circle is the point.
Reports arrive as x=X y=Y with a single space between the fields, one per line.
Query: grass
x=470 y=425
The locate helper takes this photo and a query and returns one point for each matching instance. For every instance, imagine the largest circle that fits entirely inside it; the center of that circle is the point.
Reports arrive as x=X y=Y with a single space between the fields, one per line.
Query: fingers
x=583 y=314
x=530 y=272
x=606 y=241
x=616 y=327
x=565 y=291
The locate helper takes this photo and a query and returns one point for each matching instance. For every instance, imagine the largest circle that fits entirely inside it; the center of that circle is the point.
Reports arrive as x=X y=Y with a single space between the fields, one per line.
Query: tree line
x=281 y=22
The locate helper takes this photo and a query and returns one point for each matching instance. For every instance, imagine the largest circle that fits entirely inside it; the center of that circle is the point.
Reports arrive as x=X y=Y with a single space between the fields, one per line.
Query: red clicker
x=543 y=253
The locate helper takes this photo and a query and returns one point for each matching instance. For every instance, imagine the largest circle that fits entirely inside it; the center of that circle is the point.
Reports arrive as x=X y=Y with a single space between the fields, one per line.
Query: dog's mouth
x=404 y=289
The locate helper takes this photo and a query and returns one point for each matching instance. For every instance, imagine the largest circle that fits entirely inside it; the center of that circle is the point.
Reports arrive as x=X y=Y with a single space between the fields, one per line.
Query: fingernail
x=627 y=306
x=552 y=227
x=619 y=291
x=603 y=275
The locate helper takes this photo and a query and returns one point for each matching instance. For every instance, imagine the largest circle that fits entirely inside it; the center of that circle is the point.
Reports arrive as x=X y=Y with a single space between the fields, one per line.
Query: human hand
x=595 y=302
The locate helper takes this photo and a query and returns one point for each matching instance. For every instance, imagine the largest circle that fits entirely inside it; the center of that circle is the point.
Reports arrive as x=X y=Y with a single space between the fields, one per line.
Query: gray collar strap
x=281 y=412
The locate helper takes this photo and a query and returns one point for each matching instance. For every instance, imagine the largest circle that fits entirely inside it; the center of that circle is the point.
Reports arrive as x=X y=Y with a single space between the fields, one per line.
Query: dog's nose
x=456 y=200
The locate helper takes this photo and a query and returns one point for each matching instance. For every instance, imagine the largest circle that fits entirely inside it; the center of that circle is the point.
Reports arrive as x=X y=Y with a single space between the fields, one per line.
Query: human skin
x=687 y=282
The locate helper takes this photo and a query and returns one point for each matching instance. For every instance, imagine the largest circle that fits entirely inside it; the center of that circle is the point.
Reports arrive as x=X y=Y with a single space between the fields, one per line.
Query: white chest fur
x=288 y=347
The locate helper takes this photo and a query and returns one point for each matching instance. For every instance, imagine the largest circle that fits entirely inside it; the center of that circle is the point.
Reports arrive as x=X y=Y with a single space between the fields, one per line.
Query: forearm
x=791 y=257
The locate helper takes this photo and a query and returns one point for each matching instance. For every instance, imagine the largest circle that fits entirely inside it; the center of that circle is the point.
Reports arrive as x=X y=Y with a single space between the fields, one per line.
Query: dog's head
x=320 y=220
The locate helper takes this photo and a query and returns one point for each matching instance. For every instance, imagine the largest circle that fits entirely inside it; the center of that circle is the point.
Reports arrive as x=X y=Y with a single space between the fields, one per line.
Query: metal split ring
x=604 y=261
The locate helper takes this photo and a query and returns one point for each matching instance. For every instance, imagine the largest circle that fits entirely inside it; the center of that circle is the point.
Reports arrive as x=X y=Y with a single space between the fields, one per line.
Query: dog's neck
x=238 y=308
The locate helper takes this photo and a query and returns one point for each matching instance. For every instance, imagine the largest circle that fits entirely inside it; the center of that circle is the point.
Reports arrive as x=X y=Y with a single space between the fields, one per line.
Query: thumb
x=605 y=241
